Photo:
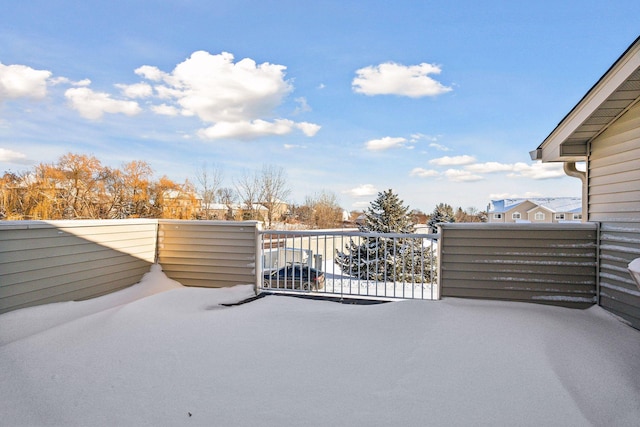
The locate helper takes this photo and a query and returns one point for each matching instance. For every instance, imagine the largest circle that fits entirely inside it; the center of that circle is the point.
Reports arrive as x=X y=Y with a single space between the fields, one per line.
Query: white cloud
x=238 y=99
x=309 y=129
x=538 y=170
x=165 y=92
x=247 y=129
x=64 y=80
x=165 y=110
x=423 y=173
x=490 y=167
x=11 y=156
x=151 y=73
x=84 y=82
x=471 y=171
x=390 y=78
x=303 y=106
x=216 y=89
x=18 y=81
x=362 y=191
x=533 y=171
x=137 y=90
x=385 y=143
x=293 y=146
x=457 y=175
x=419 y=137
x=92 y=105
x=453 y=161
x=438 y=147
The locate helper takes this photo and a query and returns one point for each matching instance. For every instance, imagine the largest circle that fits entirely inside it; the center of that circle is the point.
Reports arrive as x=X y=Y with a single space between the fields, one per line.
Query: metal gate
x=350 y=264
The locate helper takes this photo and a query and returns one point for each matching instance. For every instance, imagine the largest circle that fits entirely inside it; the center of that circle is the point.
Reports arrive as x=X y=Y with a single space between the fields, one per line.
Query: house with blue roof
x=536 y=210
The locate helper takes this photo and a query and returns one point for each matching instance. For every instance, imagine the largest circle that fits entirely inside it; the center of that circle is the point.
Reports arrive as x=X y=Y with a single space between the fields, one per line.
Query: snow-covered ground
x=163 y=354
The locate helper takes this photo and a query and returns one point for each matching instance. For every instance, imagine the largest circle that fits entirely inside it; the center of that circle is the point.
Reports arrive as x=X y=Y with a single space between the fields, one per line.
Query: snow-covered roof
x=234 y=206
x=552 y=204
x=504 y=205
x=222 y=206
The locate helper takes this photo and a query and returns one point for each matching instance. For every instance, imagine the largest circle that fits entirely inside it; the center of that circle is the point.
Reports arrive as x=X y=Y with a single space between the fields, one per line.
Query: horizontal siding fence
x=619 y=245
x=53 y=261
x=614 y=201
x=395 y=266
x=543 y=263
x=211 y=254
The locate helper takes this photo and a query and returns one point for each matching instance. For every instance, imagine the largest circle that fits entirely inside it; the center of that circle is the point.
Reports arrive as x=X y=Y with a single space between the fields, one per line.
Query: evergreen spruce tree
x=386 y=258
x=442 y=213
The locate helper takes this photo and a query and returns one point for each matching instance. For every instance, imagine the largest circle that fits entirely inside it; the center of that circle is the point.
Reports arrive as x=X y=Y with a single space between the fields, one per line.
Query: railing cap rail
x=70 y=223
x=520 y=226
x=251 y=223
x=347 y=233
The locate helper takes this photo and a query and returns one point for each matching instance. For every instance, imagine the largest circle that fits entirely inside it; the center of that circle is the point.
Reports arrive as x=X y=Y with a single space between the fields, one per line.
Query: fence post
x=258 y=258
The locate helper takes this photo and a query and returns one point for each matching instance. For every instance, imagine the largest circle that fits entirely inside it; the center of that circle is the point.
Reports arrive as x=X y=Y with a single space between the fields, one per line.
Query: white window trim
x=559 y=216
x=539 y=216
x=497 y=216
x=516 y=215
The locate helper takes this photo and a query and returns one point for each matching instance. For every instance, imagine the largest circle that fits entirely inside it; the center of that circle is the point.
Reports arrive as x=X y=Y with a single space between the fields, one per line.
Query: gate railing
x=350 y=264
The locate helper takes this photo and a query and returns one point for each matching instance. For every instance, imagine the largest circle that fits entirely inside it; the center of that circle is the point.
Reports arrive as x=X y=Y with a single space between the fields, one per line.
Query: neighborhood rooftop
x=552 y=204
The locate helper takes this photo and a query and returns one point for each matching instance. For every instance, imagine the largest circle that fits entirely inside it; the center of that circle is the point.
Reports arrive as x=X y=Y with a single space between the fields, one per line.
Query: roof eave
x=567 y=143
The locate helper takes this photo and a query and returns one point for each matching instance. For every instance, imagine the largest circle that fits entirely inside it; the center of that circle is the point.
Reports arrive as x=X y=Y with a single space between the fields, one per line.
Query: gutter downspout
x=571 y=170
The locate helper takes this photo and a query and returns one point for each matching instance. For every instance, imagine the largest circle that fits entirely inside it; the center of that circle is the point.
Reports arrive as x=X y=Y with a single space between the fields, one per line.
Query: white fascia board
x=598 y=94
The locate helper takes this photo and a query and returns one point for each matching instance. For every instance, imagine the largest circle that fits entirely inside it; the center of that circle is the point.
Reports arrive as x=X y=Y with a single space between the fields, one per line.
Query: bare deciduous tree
x=11 y=196
x=137 y=180
x=228 y=197
x=328 y=213
x=112 y=203
x=248 y=190
x=210 y=179
x=81 y=175
x=273 y=191
x=78 y=186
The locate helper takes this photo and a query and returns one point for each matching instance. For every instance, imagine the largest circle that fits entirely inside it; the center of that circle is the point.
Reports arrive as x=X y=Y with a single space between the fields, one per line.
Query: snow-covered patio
x=159 y=353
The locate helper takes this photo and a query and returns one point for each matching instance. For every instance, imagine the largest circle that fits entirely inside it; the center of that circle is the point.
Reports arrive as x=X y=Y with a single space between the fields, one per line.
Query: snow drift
x=163 y=354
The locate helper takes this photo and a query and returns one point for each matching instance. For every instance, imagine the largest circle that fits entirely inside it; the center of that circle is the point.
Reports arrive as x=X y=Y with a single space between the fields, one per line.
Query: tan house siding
x=527 y=209
x=522 y=209
x=208 y=253
x=604 y=129
x=614 y=201
x=546 y=218
x=543 y=263
x=43 y=262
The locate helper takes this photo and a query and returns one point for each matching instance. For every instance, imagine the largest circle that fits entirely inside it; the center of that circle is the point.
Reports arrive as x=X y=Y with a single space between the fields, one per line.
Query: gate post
x=258 y=257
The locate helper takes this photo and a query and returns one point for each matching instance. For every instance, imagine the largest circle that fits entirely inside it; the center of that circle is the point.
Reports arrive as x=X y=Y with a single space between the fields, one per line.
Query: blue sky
x=439 y=101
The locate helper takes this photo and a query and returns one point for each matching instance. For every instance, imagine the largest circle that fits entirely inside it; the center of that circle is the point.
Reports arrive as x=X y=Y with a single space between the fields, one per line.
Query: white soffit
x=615 y=92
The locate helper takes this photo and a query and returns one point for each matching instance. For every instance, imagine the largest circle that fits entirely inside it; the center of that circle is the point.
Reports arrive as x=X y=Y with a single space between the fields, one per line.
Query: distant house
x=603 y=130
x=240 y=211
x=180 y=205
x=536 y=210
x=221 y=211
